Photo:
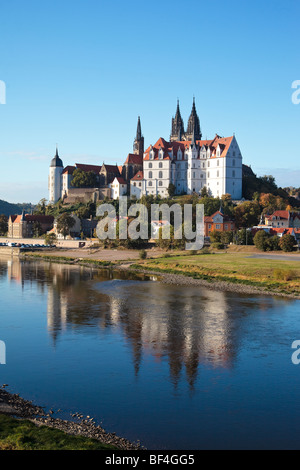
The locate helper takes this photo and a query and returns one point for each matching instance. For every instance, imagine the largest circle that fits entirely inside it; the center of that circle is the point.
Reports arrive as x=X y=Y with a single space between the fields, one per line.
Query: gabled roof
x=43 y=219
x=134 y=159
x=69 y=169
x=95 y=168
x=173 y=147
x=138 y=177
x=120 y=180
x=224 y=217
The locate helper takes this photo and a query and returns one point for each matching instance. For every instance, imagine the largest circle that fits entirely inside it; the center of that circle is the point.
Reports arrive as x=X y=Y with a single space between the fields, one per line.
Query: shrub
x=287 y=242
x=260 y=240
x=284 y=274
x=143 y=254
x=218 y=246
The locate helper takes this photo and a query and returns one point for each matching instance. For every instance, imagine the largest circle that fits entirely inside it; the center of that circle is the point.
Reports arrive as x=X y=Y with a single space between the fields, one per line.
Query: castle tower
x=138 y=145
x=193 y=125
x=177 y=130
x=55 y=178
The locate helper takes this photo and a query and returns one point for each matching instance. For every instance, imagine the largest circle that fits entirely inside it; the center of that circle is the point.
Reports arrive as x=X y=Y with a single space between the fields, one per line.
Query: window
x=218 y=227
x=233 y=162
x=134 y=184
x=150 y=165
x=218 y=174
x=218 y=162
x=150 y=183
x=194 y=174
x=233 y=173
x=140 y=184
x=160 y=183
x=209 y=225
x=160 y=174
x=160 y=165
x=150 y=174
x=226 y=227
x=208 y=164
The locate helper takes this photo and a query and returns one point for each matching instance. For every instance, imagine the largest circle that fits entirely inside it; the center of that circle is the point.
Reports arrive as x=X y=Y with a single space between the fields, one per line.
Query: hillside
x=7 y=208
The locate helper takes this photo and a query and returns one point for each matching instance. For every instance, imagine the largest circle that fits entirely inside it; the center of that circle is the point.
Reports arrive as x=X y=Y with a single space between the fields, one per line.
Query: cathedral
x=189 y=163
x=186 y=162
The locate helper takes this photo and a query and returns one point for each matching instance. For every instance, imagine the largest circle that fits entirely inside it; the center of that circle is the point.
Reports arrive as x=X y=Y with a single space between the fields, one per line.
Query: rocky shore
x=183 y=280
x=14 y=405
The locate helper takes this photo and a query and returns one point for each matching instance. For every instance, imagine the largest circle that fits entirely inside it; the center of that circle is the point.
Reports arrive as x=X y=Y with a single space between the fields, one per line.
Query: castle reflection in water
x=183 y=326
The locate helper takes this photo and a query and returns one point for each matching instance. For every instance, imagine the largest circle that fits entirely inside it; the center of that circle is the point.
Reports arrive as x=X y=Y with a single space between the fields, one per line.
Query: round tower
x=55 y=178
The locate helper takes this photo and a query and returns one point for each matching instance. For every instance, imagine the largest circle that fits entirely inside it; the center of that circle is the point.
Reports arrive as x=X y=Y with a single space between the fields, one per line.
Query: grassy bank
x=68 y=259
x=268 y=274
x=19 y=434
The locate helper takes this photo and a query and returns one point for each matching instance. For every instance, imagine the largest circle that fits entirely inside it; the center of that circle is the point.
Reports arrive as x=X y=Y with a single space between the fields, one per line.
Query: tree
x=64 y=224
x=171 y=189
x=247 y=214
x=3 y=224
x=204 y=192
x=260 y=240
x=37 y=229
x=84 y=179
x=287 y=242
x=50 y=238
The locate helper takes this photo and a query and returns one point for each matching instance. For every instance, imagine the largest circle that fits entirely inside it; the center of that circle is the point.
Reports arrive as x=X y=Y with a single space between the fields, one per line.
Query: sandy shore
x=14 y=405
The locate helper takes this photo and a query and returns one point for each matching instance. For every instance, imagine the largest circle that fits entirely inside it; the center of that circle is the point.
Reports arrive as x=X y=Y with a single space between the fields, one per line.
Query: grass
x=16 y=434
x=270 y=274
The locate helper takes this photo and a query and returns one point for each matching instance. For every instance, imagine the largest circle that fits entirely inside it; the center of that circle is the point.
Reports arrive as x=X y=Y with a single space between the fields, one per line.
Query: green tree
x=247 y=214
x=261 y=240
x=3 y=224
x=171 y=189
x=287 y=242
x=64 y=224
x=37 y=229
x=84 y=179
x=50 y=238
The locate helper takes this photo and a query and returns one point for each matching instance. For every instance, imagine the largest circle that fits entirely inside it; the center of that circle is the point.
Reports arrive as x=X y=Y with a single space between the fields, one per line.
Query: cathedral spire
x=139 y=130
x=177 y=125
x=193 y=124
x=138 y=145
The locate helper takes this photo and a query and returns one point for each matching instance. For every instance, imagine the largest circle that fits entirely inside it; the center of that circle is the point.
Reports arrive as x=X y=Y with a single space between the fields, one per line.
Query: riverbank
x=14 y=406
x=233 y=272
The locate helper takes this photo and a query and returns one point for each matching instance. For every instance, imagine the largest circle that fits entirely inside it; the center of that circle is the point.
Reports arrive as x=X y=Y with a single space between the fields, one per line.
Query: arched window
x=160 y=174
x=150 y=165
x=150 y=183
x=160 y=183
x=160 y=165
x=150 y=174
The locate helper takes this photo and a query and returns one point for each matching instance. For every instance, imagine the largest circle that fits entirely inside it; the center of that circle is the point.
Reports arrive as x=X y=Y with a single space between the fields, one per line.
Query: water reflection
x=181 y=325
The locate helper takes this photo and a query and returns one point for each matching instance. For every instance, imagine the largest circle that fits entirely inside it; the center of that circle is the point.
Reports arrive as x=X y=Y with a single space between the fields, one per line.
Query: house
x=137 y=185
x=118 y=187
x=284 y=219
x=219 y=222
x=27 y=225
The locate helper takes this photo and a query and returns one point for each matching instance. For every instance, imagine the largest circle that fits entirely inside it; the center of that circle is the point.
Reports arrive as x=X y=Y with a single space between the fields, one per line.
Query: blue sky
x=78 y=73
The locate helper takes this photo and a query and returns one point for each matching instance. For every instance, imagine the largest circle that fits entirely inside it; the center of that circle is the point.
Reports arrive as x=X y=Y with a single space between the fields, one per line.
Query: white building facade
x=192 y=165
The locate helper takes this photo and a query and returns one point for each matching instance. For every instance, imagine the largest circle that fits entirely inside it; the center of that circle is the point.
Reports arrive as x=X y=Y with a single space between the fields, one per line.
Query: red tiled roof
x=167 y=147
x=43 y=219
x=112 y=169
x=225 y=218
x=69 y=169
x=138 y=176
x=95 y=168
x=134 y=159
x=120 y=180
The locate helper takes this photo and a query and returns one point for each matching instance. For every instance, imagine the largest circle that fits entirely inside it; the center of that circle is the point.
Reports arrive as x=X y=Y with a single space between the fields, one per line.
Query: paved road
x=277 y=257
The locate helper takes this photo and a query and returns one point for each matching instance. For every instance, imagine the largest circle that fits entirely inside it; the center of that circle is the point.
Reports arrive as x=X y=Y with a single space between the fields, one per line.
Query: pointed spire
x=139 y=130
x=177 y=130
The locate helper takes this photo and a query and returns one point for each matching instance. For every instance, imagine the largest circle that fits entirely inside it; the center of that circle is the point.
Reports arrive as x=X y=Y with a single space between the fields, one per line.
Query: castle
x=186 y=162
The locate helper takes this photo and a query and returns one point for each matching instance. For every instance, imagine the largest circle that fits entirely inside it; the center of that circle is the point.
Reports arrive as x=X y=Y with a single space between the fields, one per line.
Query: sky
x=79 y=73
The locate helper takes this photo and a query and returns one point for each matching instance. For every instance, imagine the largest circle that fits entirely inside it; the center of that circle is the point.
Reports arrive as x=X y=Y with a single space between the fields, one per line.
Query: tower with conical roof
x=138 y=145
x=177 y=131
x=55 y=178
x=193 y=125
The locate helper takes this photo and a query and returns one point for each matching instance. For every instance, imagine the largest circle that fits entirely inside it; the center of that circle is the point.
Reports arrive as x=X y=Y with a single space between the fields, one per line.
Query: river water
x=174 y=367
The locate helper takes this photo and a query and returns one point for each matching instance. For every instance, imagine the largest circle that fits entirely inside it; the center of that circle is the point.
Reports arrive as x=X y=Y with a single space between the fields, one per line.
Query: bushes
x=284 y=274
x=218 y=246
x=265 y=242
x=143 y=254
x=287 y=242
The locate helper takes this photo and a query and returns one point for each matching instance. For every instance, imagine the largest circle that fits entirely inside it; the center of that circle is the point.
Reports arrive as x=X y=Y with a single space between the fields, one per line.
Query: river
x=174 y=367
